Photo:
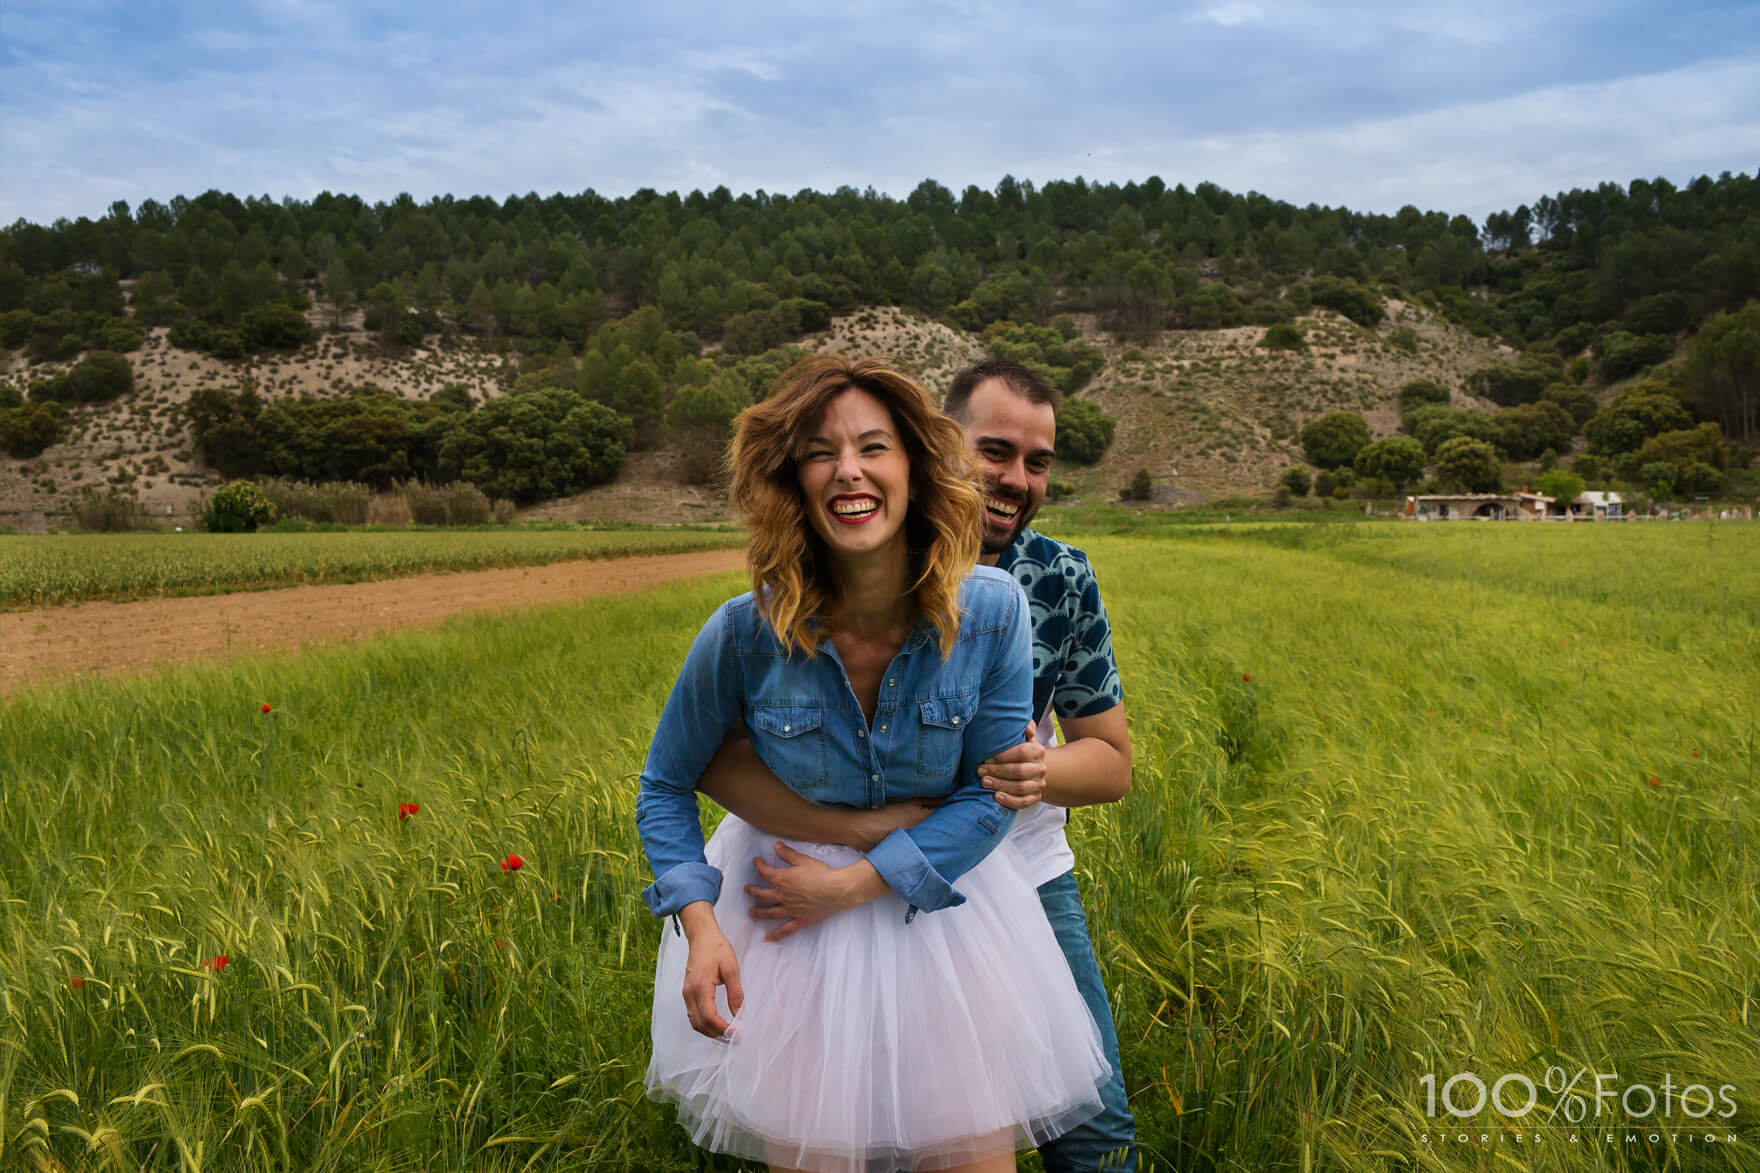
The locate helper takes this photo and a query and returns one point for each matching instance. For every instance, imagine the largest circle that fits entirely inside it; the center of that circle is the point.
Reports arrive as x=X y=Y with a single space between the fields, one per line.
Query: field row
x=53 y=570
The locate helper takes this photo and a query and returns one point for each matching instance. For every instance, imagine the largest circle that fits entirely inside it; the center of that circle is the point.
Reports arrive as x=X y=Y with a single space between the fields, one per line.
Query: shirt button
x=882 y=728
x=873 y=777
x=956 y=720
x=892 y=683
x=861 y=733
x=786 y=728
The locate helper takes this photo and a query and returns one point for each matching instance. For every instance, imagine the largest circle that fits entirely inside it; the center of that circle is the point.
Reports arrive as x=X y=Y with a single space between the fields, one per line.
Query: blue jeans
x=1108 y=1141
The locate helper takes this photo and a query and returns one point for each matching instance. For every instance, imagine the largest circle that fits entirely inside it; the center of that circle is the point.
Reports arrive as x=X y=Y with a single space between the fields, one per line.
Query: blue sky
x=1463 y=108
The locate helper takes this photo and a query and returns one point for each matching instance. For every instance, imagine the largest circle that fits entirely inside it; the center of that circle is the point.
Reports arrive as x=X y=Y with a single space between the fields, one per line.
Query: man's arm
x=1092 y=767
x=738 y=779
x=1094 y=764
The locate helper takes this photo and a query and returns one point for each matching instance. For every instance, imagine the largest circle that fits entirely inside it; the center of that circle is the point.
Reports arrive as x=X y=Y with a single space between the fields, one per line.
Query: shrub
x=1405 y=338
x=1142 y=485
x=1580 y=405
x=1324 y=483
x=1334 y=439
x=1297 y=480
x=1507 y=386
x=26 y=431
x=1056 y=489
x=1345 y=296
x=1621 y=354
x=122 y=337
x=329 y=503
x=99 y=377
x=1703 y=444
x=240 y=507
x=1084 y=432
x=1421 y=393
x=458 y=503
x=1284 y=336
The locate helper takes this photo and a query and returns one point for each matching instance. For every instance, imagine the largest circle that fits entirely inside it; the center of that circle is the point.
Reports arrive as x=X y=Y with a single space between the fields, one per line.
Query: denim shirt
x=935 y=722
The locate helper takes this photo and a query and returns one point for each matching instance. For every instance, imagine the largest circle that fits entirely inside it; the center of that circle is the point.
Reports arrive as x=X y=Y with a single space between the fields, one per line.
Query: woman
x=903 y=1023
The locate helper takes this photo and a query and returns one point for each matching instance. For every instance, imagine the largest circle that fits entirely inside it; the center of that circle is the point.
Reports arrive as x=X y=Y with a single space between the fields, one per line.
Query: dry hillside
x=1207 y=412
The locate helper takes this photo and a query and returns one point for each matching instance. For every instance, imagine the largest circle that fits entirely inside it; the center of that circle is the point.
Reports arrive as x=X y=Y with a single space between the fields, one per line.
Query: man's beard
x=996 y=541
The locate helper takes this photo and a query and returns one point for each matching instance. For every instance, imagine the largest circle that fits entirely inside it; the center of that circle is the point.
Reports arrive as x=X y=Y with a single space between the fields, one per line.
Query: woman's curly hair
x=792 y=578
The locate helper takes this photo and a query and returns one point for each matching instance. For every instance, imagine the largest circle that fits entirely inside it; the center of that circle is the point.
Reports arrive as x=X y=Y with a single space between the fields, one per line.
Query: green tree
x=1398 y=460
x=1681 y=448
x=549 y=443
x=1334 y=439
x=1297 y=480
x=1642 y=410
x=26 y=430
x=701 y=420
x=1345 y=296
x=1084 y=432
x=1528 y=429
x=1563 y=487
x=1723 y=370
x=339 y=291
x=1469 y=464
x=1577 y=403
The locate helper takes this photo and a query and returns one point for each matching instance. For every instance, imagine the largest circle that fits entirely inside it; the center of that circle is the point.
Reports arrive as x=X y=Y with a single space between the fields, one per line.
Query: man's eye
x=1039 y=466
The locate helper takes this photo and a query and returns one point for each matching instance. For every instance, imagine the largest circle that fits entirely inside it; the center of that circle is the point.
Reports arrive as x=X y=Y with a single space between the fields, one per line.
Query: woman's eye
x=875 y=447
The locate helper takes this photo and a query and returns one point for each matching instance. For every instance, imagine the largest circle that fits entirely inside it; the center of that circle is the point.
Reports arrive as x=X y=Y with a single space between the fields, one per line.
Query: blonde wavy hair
x=796 y=589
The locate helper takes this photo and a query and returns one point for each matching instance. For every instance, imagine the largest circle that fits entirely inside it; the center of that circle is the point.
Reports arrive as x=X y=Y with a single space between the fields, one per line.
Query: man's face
x=1013 y=441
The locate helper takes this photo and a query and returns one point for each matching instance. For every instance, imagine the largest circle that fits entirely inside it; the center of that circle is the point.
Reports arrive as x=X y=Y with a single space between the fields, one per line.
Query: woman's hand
x=711 y=963
x=1017 y=774
x=805 y=891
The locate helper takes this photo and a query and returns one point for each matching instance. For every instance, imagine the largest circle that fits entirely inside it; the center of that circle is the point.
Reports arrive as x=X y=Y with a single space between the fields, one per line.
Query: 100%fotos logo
x=1514 y=1096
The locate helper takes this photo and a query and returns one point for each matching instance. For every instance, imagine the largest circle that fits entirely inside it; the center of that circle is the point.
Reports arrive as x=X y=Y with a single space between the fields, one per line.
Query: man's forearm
x=738 y=779
x=1085 y=772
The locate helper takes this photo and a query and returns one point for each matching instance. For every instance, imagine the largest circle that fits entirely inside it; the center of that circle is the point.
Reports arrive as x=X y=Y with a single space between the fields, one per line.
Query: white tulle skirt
x=868 y=1045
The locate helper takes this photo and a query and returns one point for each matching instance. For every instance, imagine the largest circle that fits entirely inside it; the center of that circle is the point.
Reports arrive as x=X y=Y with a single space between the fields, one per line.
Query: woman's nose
x=848 y=467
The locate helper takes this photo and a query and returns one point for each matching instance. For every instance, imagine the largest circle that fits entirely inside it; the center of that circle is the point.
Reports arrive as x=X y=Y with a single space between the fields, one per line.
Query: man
x=1009 y=414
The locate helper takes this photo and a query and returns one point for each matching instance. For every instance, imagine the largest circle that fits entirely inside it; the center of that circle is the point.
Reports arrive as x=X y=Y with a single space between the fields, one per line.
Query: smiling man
x=1009 y=414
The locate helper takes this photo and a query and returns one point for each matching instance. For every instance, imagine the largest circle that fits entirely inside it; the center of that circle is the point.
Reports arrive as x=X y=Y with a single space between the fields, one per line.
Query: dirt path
x=101 y=638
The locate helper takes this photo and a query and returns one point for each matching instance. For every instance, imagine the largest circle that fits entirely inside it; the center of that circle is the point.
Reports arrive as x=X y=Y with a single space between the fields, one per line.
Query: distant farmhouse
x=1523 y=506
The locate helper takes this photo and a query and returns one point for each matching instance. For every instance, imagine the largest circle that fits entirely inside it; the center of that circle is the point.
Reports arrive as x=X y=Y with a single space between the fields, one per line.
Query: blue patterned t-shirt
x=1073 y=668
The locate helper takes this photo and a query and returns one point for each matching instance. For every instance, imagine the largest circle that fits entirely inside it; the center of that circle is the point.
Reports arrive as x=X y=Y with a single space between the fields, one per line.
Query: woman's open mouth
x=855 y=508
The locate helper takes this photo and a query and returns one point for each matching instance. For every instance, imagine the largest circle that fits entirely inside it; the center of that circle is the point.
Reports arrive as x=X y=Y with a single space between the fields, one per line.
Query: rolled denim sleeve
x=704 y=704
x=921 y=863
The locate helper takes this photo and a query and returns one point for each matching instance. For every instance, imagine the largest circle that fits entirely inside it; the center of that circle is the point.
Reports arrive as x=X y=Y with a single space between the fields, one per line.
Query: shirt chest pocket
x=791 y=740
x=941 y=733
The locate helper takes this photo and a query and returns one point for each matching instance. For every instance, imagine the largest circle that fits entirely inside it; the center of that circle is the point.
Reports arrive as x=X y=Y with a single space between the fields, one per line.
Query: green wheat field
x=1417 y=808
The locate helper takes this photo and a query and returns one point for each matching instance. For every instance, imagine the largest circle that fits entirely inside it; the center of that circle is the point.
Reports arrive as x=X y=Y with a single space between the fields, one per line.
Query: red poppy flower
x=1654 y=782
x=512 y=863
x=75 y=983
x=1246 y=675
x=500 y=945
x=406 y=809
x=1695 y=753
x=265 y=708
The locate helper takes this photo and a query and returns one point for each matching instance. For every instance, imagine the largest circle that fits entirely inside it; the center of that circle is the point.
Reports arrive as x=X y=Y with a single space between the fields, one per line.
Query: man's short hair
x=1022 y=380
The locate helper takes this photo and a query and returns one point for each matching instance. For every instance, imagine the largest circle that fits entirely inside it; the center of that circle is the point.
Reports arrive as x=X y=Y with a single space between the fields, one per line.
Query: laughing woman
x=915 y=1013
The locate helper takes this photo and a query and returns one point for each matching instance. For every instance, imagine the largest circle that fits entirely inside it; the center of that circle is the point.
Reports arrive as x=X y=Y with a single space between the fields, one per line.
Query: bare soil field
x=60 y=643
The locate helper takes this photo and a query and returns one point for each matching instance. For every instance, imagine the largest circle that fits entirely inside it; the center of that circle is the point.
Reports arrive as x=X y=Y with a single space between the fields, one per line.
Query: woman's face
x=856 y=479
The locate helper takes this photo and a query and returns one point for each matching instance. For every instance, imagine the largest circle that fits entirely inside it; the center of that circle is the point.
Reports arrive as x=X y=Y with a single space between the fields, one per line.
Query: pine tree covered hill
x=669 y=310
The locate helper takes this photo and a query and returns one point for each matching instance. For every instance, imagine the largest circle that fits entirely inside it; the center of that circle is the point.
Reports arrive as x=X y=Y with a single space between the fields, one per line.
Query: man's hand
x=867 y=828
x=1017 y=774
x=805 y=891
x=711 y=963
